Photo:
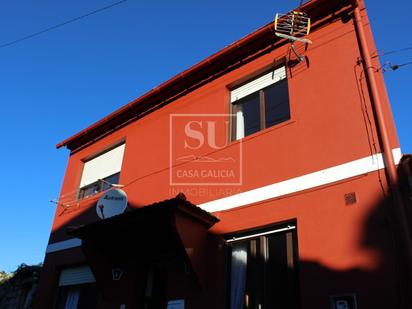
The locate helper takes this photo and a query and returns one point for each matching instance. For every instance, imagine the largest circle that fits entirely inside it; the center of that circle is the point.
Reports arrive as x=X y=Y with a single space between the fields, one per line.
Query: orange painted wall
x=329 y=126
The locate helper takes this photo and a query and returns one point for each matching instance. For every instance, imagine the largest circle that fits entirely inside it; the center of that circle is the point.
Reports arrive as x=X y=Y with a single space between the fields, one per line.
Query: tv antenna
x=293 y=26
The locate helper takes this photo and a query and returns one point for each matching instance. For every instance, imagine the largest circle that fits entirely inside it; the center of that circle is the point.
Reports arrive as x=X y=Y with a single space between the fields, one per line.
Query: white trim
x=257 y=84
x=308 y=181
x=288 y=228
x=63 y=245
x=397 y=155
x=240 y=125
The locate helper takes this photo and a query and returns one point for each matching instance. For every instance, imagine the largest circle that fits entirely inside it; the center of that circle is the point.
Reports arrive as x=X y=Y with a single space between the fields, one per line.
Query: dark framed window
x=98 y=186
x=77 y=288
x=101 y=171
x=262 y=270
x=81 y=296
x=260 y=103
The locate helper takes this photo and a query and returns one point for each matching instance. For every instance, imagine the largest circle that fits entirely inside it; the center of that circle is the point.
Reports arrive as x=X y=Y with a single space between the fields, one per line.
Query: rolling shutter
x=102 y=166
x=257 y=84
x=76 y=275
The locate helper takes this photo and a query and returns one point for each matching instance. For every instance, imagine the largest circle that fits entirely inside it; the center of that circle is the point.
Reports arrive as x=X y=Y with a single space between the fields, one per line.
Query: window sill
x=263 y=132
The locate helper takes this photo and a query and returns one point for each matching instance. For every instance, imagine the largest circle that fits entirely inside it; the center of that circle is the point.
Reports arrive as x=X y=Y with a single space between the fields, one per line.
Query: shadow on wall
x=381 y=287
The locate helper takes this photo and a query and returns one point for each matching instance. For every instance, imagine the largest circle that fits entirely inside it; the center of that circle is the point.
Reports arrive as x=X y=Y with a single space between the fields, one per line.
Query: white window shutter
x=107 y=164
x=257 y=84
x=76 y=275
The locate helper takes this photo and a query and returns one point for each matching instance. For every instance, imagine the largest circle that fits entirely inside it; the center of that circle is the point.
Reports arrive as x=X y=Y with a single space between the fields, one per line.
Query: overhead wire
x=70 y=198
x=404 y=64
x=395 y=51
x=389 y=66
x=29 y=36
x=69 y=195
x=368 y=122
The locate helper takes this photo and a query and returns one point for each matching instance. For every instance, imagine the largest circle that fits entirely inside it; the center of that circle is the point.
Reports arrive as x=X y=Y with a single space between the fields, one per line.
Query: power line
x=384 y=53
x=393 y=66
x=404 y=64
x=61 y=24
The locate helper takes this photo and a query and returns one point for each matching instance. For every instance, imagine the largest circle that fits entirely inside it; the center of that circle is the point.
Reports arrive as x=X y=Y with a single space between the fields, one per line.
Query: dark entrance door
x=156 y=288
x=263 y=272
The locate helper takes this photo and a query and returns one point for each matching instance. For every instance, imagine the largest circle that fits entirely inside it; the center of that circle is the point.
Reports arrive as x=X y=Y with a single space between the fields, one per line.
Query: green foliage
x=4 y=276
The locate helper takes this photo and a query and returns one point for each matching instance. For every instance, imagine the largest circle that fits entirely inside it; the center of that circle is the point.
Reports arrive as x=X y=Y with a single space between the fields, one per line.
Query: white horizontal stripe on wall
x=76 y=275
x=107 y=164
x=63 y=245
x=257 y=84
x=293 y=185
x=308 y=181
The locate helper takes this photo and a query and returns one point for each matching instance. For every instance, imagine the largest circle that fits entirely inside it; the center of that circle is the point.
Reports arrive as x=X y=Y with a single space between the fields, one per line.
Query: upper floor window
x=101 y=171
x=260 y=103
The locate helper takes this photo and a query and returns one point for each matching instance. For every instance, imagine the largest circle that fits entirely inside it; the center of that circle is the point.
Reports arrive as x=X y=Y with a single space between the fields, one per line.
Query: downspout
x=391 y=170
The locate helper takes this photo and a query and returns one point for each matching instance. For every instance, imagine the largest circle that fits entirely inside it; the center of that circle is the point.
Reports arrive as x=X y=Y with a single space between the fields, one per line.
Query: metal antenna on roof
x=293 y=26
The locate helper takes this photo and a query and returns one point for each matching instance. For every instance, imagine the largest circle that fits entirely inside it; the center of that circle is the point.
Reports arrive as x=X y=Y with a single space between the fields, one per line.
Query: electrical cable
x=388 y=66
x=404 y=64
x=29 y=36
x=70 y=198
x=384 y=53
x=371 y=135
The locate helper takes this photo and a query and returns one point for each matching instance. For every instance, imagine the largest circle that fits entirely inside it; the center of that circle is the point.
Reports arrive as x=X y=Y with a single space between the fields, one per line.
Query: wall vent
x=350 y=198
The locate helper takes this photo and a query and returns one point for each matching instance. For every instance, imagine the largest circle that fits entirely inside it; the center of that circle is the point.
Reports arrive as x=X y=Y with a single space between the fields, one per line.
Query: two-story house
x=264 y=176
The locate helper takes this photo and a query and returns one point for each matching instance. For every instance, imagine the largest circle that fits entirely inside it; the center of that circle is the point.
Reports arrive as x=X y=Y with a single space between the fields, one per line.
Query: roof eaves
x=182 y=78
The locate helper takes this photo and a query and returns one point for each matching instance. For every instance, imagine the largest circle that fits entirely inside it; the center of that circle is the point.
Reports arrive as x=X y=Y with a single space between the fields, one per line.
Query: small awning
x=171 y=233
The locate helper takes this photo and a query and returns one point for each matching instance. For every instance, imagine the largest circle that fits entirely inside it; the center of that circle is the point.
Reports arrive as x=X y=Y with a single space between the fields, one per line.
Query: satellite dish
x=112 y=203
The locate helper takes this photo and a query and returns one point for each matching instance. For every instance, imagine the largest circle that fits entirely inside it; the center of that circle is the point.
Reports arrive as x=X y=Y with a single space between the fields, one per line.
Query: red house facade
x=254 y=179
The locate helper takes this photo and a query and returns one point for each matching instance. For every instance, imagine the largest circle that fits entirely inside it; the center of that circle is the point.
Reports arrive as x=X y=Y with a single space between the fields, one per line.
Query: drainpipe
x=391 y=170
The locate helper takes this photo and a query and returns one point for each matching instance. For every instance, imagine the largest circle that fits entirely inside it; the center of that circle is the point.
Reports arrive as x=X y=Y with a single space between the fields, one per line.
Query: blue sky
x=54 y=85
